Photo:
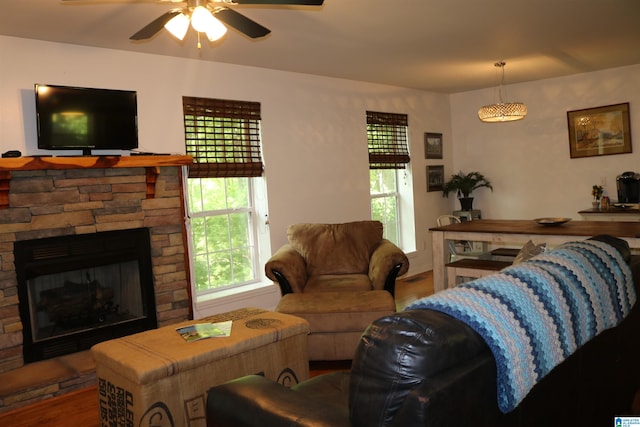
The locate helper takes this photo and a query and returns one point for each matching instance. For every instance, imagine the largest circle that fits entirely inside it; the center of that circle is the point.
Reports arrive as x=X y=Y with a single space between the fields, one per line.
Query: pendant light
x=502 y=111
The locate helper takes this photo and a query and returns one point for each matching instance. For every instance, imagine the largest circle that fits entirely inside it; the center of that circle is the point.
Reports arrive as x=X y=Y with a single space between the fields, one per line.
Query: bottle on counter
x=604 y=203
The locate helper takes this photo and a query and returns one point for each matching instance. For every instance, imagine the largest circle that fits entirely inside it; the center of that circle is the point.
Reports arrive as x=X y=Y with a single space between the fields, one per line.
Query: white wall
x=314 y=137
x=314 y=130
x=528 y=161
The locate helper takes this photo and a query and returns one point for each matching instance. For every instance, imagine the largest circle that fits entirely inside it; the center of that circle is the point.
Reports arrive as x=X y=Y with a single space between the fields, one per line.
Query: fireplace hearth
x=78 y=290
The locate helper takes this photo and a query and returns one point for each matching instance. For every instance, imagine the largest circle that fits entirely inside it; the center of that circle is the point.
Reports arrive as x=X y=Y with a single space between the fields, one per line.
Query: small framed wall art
x=432 y=145
x=599 y=131
x=435 y=178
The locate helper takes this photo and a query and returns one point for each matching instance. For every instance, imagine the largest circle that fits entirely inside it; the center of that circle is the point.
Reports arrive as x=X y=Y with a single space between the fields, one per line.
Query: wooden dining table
x=519 y=231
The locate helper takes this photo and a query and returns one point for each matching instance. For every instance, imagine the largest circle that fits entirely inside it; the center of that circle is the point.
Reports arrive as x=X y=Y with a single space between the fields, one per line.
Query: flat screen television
x=77 y=118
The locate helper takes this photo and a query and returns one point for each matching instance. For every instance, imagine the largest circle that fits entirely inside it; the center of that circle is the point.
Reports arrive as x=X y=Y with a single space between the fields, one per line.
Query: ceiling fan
x=209 y=17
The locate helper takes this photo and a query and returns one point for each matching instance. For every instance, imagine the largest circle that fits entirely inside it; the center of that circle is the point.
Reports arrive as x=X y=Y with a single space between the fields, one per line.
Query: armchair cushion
x=338 y=282
x=336 y=248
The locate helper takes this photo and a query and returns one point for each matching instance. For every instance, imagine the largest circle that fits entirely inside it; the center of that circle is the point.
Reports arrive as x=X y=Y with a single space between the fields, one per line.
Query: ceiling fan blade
x=154 y=26
x=293 y=2
x=242 y=23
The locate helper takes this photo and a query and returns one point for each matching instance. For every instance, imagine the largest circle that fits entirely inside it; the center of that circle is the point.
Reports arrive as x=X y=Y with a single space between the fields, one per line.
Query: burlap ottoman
x=336 y=319
x=157 y=378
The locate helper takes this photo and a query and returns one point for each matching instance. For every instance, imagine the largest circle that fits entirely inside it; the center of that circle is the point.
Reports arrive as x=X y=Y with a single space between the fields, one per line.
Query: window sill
x=260 y=295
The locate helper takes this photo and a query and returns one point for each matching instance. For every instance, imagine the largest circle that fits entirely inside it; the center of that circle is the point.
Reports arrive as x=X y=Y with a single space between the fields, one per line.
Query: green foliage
x=597 y=191
x=464 y=184
x=384 y=206
x=220 y=232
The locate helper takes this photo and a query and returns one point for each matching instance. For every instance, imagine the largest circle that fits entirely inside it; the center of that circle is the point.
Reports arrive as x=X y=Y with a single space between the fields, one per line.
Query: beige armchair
x=340 y=278
x=337 y=257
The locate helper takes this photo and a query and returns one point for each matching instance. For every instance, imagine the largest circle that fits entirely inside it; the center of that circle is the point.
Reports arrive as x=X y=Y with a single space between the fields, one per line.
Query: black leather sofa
x=425 y=368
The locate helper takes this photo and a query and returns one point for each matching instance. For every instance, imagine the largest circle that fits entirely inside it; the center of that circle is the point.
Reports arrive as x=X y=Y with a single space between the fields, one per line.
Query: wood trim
x=151 y=174
x=150 y=163
x=5 y=182
x=91 y=162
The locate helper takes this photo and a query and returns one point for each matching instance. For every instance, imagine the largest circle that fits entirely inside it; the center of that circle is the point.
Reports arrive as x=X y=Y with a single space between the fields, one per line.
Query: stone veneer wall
x=48 y=203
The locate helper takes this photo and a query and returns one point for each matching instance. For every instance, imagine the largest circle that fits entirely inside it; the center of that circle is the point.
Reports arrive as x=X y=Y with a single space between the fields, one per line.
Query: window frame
x=395 y=196
x=252 y=243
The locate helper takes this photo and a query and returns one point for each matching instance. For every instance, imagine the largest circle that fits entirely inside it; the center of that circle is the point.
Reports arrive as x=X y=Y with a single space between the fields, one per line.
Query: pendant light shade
x=502 y=111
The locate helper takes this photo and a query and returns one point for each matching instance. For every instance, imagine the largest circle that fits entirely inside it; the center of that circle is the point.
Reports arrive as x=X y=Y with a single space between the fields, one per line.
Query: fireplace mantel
x=151 y=163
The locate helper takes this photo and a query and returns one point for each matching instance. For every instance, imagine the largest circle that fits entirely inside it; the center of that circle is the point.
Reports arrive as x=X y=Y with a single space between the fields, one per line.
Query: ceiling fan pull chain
x=199 y=44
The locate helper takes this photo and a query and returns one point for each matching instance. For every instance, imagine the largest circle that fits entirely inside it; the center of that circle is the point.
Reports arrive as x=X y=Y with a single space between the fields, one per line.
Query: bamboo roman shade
x=223 y=137
x=387 y=136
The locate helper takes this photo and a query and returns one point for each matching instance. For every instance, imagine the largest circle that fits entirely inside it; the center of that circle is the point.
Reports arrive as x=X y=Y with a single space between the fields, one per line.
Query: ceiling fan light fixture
x=502 y=111
x=216 y=30
x=178 y=26
x=201 y=19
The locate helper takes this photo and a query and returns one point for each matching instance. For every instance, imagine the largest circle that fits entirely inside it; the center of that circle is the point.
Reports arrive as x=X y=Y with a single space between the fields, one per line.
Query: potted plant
x=596 y=192
x=464 y=184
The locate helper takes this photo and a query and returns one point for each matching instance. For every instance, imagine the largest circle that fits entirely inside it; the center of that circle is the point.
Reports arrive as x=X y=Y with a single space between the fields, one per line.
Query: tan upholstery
x=157 y=375
x=339 y=277
x=336 y=319
x=336 y=248
x=345 y=250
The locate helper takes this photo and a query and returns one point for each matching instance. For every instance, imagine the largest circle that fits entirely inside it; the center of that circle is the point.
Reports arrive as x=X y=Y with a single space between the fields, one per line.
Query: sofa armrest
x=255 y=401
x=462 y=395
x=401 y=352
x=384 y=261
x=287 y=268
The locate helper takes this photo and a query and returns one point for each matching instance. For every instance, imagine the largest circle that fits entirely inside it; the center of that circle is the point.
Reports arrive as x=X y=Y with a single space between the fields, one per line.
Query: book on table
x=201 y=331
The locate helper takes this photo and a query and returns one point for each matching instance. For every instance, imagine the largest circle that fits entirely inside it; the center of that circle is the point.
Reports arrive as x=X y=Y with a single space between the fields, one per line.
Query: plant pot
x=466 y=203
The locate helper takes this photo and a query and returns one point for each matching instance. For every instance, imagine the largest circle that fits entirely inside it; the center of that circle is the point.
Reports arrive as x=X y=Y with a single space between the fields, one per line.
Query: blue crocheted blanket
x=535 y=314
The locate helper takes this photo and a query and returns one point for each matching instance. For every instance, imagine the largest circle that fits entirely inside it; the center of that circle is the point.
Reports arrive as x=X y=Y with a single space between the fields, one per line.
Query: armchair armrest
x=387 y=262
x=287 y=268
x=254 y=401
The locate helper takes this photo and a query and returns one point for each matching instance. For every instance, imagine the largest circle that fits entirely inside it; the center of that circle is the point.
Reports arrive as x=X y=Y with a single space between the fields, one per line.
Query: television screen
x=74 y=118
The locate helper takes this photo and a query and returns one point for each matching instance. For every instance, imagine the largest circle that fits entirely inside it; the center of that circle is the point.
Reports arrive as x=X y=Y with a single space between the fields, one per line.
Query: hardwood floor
x=412 y=288
x=80 y=408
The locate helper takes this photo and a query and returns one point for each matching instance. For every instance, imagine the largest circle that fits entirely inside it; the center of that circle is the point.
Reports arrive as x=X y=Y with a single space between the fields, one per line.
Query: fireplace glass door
x=76 y=291
x=78 y=300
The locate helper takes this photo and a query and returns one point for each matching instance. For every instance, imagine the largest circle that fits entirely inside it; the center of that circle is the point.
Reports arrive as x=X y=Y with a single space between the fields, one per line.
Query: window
x=384 y=201
x=223 y=137
x=388 y=154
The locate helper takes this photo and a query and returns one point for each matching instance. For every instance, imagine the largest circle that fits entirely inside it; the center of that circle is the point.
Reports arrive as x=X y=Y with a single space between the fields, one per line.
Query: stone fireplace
x=45 y=197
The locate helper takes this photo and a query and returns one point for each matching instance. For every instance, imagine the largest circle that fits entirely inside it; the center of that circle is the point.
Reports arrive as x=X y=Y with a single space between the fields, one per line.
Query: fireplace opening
x=76 y=291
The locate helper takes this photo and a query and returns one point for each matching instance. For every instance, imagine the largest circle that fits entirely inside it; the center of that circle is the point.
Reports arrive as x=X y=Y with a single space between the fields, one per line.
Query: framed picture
x=435 y=178
x=599 y=131
x=432 y=145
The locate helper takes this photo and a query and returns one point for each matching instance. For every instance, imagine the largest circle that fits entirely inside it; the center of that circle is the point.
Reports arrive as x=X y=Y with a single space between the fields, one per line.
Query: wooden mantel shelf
x=151 y=163
x=91 y=162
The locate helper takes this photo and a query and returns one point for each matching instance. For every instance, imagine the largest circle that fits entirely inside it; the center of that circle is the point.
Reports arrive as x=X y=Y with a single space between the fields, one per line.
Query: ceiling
x=444 y=46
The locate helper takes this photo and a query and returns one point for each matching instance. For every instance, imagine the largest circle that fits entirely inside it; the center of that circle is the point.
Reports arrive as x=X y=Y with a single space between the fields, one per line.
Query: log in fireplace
x=78 y=290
